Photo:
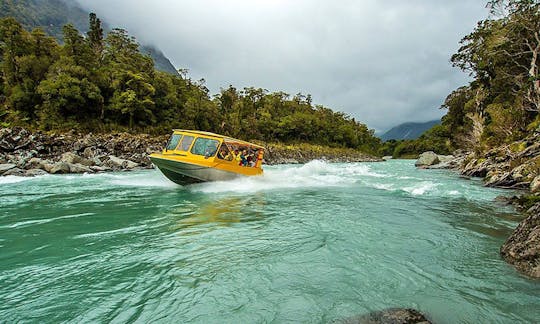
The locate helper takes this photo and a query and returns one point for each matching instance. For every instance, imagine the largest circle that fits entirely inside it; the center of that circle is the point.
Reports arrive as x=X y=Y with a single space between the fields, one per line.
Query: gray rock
x=35 y=172
x=535 y=185
x=445 y=158
x=60 y=167
x=14 y=172
x=387 y=316
x=388 y=157
x=35 y=163
x=121 y=163
x=426 y=159
x=97 y=168
x=79 y=168
x=6 y=167
x=73 y=158
x=522 y=248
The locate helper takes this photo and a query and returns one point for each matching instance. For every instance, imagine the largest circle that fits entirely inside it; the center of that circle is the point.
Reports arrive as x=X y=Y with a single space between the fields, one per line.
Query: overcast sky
x=382 y=62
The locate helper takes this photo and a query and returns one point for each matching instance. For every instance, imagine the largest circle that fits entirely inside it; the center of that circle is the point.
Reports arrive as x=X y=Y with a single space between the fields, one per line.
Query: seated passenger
x=222 y=154
x=243 y=158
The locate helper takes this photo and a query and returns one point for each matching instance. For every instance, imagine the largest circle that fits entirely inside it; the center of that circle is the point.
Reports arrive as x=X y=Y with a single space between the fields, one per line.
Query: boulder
x=522 y=248
x=426 y=159
x=445 y=158
x=35 y=163
x=387 y=316
x=6 y=167
x=73 y=158
x=60 y=167
x=79 y=168
x=97 y=168
x=121 y=163
x=14 y=172
x=535 y=185
x=35 y=172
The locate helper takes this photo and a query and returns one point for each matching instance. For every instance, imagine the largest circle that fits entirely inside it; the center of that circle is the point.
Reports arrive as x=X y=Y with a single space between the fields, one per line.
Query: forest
x=502 y=102
x=102 y=82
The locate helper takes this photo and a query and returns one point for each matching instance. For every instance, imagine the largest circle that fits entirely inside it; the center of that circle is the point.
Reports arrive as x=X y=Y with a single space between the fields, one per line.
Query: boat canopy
x=228 y=140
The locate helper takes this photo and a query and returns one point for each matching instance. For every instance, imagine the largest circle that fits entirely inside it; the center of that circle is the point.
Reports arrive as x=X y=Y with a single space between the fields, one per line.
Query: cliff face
x=516 y=165
x=522 y=248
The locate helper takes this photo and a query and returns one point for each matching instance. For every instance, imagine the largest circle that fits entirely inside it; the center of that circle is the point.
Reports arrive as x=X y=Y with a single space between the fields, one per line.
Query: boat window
x=205 y=146
x=173 y=141
x=186 y=143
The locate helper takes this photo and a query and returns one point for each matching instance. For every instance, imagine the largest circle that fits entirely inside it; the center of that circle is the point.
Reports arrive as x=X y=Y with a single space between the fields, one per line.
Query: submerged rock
x=522 y=248
x=387 y=316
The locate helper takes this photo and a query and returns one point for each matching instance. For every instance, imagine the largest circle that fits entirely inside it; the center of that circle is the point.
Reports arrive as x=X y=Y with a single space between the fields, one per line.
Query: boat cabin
x=209 y=148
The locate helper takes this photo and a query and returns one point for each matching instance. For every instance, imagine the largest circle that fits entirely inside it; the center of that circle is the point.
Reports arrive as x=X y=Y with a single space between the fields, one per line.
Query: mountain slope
x=52 y=15
x=408 y=130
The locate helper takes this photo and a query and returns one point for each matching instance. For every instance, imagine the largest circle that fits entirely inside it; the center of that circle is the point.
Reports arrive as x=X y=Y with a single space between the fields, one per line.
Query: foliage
x=103 y=82
x=502 y=103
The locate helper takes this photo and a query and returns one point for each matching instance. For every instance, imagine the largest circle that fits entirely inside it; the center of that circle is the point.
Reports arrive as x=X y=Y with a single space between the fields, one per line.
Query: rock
x=79 y=168
x=70 y=157
x=121 y=163
x=388 y=157
x=387 y=316
x=535 y=185
x=522 y=248
x=445 y=158
x=426 y=159
x=35 y=172
x=14 y=172
x=60 y=167
x=6 y=167
x=73 y=158
x=96 y=168
x=35 y=163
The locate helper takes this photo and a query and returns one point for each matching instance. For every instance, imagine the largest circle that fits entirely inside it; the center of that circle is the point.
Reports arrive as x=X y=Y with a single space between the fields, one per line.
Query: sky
x=382 y=62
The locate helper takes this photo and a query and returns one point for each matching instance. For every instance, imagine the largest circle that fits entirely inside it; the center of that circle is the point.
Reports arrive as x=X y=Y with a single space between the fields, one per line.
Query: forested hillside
x=502 y=102
x=101 y=83
x=52 y=15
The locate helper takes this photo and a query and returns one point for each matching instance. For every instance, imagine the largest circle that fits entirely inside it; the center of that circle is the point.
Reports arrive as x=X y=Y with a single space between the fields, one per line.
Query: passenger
x=243 y=158
x=223 y=154
x=237 y=157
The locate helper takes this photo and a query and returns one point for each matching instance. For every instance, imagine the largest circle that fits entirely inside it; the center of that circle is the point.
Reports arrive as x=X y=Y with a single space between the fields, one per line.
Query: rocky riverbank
x=25 y=153
x=513 y=166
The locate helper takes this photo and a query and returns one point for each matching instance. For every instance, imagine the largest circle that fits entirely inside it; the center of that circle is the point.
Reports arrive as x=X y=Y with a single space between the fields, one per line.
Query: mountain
x=52 y=15
x=408 y=130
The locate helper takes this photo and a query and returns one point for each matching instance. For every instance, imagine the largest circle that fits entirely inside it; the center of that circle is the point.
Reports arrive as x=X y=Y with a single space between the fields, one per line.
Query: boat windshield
x=205 y=146
x=173 y=141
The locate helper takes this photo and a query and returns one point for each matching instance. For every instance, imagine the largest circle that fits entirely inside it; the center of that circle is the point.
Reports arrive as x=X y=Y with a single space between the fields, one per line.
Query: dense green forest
x=52 y=15
x=502 y=102
x=101 y=83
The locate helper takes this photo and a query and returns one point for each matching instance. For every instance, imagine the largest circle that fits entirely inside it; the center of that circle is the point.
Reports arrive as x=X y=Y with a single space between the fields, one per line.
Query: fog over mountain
x=384 y=63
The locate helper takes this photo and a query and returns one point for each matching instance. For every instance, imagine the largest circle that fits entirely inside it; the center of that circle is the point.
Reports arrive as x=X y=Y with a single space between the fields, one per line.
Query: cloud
x=382 y=62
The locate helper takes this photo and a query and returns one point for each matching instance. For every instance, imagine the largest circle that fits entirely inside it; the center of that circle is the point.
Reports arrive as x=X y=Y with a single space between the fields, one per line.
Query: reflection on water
x=223 y=211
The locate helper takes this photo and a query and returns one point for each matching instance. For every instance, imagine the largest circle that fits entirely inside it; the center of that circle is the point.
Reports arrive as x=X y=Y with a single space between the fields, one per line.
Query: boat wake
x=311 y=175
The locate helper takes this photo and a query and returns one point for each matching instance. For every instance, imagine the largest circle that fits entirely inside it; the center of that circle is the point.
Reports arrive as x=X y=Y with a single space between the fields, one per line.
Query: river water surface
x=305 y=244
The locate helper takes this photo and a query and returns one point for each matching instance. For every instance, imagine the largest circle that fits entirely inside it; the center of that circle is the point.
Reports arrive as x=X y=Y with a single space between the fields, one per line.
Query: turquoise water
x=307 y=243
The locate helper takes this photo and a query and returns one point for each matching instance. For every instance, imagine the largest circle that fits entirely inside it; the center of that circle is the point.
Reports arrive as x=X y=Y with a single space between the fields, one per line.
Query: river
x=304 y=243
